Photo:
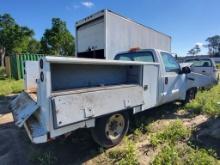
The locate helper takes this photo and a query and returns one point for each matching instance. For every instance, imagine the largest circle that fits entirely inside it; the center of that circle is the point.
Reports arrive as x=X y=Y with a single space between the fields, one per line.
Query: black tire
x=190 y=95
x=100 y=132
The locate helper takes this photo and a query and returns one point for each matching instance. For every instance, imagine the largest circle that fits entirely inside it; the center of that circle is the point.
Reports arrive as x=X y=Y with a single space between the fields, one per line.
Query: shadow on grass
x=207 y=135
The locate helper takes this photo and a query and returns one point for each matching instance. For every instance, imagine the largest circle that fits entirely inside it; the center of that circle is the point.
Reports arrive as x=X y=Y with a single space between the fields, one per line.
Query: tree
x=58 y=40
x=195 y=50
x=214 y=45
x=13 y=38
x=34 y=46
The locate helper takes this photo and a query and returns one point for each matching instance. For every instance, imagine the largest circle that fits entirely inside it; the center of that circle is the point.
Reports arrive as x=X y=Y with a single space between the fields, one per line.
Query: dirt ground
x=78 y=148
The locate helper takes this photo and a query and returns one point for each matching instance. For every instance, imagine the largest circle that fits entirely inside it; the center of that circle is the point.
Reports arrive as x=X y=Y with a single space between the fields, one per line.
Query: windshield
x=136 y=56
x=200 y=62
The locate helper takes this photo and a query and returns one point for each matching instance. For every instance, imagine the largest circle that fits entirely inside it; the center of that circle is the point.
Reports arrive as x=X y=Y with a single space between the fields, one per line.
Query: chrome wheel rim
x=115 y=126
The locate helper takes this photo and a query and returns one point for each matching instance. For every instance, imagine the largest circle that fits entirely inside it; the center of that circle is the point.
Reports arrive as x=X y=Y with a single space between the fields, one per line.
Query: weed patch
x=124 y=156
x=183 y=154
x=174 y=132
x=206 y=102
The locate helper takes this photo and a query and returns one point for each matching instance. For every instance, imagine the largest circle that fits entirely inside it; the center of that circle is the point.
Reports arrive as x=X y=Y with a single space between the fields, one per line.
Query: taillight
x=134 y=49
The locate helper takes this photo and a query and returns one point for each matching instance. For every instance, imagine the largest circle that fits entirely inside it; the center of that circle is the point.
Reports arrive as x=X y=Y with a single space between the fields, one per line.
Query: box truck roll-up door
x=90 y=39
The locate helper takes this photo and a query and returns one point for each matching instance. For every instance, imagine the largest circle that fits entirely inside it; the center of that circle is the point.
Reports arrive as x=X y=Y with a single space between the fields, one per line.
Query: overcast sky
x=187 y=21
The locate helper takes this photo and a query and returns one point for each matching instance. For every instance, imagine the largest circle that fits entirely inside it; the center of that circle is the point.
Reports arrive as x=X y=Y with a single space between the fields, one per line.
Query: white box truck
x=105 y=33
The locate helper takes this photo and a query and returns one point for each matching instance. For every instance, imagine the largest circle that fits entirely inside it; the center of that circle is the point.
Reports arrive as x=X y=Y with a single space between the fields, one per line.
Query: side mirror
x=186 y=70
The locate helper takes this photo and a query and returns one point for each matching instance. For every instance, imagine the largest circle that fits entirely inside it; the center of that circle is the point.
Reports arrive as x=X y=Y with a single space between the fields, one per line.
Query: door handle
x=203 y=71
x=166 y=80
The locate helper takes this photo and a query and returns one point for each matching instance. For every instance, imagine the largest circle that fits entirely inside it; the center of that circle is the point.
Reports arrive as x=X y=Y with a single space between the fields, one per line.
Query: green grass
x=174 y=149
x=206 y=102
x=174 y=132
x=184 y=155
x=125 y=156
x=8 y=86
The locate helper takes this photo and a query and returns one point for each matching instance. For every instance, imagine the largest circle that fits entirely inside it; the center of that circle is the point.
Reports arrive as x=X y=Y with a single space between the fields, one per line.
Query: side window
x=170 y=63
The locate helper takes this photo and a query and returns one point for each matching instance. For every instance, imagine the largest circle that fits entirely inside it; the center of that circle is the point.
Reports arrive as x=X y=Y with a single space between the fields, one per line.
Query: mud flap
x=23 y=106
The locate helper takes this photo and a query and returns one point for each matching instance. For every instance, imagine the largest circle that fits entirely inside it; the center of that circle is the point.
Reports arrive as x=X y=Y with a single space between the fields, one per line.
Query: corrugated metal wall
x=16 y=64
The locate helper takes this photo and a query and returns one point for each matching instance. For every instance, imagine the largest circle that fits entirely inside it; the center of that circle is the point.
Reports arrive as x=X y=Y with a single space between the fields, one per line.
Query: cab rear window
x=136 y=56
x=200 y=62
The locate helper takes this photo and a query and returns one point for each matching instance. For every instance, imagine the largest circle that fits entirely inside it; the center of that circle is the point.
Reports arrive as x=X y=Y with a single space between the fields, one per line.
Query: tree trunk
x=2 y=55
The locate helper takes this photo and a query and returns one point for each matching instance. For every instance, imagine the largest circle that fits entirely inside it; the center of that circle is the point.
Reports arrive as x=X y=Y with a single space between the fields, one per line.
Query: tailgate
x=22 y=107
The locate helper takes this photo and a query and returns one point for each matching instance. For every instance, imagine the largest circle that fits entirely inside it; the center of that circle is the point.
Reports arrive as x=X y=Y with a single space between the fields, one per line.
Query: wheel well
x=128 y=111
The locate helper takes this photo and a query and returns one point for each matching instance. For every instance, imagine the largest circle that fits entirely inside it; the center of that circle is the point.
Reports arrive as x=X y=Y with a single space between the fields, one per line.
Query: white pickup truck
x=73 y=93
x=204 y=65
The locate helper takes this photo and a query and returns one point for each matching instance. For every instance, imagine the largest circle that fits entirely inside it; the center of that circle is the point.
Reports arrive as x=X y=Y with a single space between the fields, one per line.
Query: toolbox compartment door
x=72 y=106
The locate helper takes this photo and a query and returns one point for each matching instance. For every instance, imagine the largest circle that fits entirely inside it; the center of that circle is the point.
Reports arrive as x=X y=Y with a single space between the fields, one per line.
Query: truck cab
x=172 y=77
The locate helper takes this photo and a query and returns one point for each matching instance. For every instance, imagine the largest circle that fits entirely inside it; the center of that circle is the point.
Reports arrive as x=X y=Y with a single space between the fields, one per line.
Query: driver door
x=172 y=80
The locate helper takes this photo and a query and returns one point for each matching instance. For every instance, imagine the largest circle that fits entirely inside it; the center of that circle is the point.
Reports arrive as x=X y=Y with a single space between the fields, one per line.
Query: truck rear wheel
x=110 y=130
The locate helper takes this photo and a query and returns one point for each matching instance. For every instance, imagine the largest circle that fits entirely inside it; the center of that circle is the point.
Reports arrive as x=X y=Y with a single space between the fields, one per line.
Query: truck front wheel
x=190 y=95
x=110 y=130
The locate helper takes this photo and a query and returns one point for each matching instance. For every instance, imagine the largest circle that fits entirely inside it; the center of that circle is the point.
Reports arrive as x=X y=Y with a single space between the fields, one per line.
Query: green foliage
x=214 y=45
x=9 y=86
x=13 y=37
x=168 y=155
x=183 y=154
x=218 y=66
x=58 y=40
x=206 y=102
x=195 y=50
x=174 y=132
x=126 y=156
x=34 y=46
